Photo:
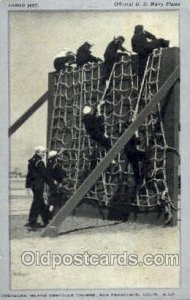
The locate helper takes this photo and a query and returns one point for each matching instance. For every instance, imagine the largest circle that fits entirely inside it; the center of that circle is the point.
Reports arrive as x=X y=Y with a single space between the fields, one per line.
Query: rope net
x=73 y=89
x=154 y=190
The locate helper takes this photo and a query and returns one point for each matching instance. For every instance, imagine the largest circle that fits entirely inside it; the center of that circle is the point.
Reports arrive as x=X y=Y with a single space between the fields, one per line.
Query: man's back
x=139 y=42
x=111 y=50
x=84 y=55
x=94 y=125
x=35 y=164
x=55 y=169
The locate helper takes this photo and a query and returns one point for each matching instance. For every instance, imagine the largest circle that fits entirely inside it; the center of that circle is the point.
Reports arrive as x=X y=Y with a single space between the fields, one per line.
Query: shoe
x=29 y=228
x=44 y=225
x=27 y=224
x=33 y=225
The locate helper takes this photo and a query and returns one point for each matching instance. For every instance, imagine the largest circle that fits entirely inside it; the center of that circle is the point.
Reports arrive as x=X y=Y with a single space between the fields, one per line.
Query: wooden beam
x=51 y=98
x=52 y=228
x=13 y=128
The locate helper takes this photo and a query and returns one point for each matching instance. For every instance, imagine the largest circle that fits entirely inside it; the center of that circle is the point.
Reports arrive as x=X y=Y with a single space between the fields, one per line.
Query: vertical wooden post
x=50 y=104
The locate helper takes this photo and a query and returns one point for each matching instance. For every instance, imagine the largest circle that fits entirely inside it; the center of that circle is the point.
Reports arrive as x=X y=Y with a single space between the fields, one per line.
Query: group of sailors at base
x=39 y=176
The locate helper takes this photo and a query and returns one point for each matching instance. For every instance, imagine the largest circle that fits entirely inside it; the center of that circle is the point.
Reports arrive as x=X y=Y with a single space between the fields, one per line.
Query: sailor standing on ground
x=63 y=59
x=143 y=43
x=57 y=197
x=36 y=177
x=84 y=55
x=113 y=53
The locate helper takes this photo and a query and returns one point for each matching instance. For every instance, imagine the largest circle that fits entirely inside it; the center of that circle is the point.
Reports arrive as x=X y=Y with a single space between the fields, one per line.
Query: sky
x=36 y=37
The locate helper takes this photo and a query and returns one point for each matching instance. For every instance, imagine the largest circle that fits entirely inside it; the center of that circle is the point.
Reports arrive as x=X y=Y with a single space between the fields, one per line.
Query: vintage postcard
x=94 y=149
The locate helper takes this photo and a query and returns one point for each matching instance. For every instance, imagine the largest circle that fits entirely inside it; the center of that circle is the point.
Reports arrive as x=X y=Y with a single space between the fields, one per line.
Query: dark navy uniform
x=60 y=62
x=57 y=196
x=143 y=43
x=84 y=55
x=95 y=128
x=112 y=55
x=134 y=157
x=35 y=179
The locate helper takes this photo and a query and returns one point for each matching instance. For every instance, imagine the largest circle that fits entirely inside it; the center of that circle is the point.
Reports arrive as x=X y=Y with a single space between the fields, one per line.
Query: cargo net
x=73 y=89
x=154 y=190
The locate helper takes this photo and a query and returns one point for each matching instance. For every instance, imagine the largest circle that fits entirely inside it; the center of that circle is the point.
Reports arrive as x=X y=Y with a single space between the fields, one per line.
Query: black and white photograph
x=94 y=184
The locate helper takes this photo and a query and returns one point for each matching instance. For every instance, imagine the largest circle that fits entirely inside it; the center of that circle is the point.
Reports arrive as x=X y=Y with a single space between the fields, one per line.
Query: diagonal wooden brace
x=13 y=128
x=53 y=226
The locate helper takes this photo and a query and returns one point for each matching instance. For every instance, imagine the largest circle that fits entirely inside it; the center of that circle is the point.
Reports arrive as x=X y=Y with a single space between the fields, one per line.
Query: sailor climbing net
x=73 y=89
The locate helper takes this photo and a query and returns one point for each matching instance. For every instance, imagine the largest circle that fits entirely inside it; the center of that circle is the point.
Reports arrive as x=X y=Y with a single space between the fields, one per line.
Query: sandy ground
x=89 y=236
x=99 y=237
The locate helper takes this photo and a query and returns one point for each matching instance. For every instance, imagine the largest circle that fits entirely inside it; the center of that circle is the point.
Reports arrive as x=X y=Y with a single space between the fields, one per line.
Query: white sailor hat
x=52 y=153
x=90 y=43
x=87 y=109
x=63 y=53
x=40 y=149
